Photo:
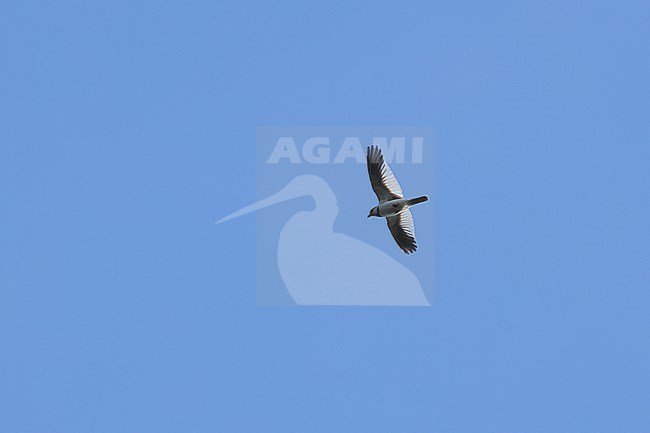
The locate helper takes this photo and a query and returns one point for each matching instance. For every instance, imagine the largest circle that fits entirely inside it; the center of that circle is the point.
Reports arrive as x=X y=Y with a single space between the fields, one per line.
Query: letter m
x=394 y=150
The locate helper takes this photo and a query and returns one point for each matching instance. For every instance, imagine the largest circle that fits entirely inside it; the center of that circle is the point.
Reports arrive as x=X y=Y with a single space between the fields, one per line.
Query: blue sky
x=124 y=126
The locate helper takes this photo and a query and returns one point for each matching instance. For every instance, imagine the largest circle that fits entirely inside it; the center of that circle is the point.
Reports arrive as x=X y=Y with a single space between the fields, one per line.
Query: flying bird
x=392 y=204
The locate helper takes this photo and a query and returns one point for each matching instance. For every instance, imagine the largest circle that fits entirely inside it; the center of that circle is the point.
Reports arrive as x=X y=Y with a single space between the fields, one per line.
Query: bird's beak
x=295 y=188
x=278 y=197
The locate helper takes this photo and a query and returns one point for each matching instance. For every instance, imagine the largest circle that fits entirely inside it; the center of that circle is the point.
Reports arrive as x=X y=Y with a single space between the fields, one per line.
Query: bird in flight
x=392 y=204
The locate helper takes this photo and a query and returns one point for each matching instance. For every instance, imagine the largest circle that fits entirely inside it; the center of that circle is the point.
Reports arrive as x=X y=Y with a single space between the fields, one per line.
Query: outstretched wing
x=381 y=177
x=401 y=227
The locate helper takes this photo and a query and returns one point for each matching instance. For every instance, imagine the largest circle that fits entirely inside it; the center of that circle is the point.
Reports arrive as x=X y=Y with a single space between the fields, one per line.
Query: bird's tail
x=417 y=200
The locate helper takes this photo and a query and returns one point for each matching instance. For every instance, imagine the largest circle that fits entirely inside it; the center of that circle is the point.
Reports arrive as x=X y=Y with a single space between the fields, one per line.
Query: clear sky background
x=127 y=128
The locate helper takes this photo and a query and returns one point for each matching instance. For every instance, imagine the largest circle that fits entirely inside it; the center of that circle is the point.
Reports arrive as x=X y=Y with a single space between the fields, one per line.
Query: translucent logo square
x=316 y=244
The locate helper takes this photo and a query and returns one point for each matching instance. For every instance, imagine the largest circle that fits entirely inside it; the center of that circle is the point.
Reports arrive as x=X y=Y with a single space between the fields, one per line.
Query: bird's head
x=374 y=212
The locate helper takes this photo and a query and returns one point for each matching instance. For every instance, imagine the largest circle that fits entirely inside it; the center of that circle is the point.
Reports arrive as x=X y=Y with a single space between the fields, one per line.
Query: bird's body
x=392 y=204
x=392 y=207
